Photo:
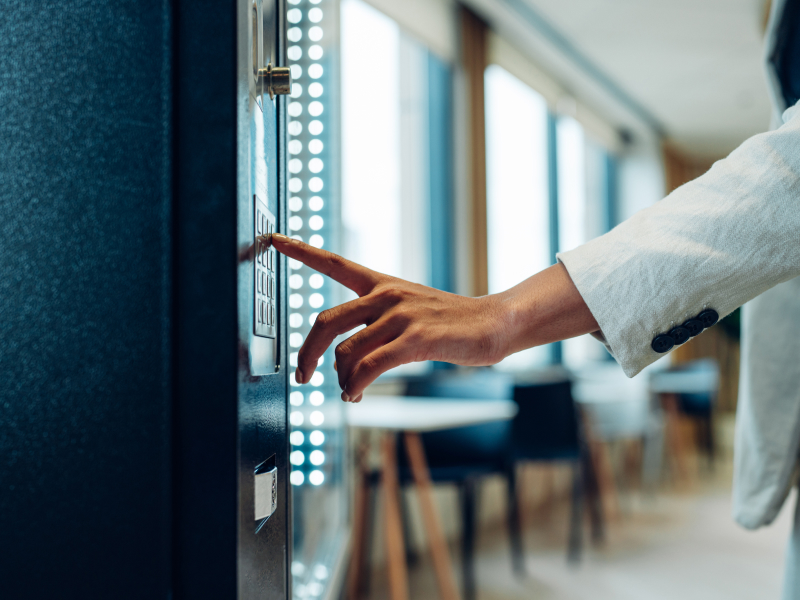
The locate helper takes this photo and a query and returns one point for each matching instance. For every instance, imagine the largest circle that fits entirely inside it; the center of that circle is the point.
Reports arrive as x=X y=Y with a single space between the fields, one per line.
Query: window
x=550 y=188
x=518 y=214
x=584 y=211
x=396 y=177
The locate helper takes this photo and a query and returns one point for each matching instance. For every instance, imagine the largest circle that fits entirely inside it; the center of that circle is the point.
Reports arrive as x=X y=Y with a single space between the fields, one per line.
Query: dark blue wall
x=85 y=299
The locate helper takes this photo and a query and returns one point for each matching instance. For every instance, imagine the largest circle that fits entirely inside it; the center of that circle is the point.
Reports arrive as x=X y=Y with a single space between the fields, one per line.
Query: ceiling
x=695 y=65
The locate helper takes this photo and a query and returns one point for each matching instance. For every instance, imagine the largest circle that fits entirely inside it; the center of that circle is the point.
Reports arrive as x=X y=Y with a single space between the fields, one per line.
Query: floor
x=676 y=545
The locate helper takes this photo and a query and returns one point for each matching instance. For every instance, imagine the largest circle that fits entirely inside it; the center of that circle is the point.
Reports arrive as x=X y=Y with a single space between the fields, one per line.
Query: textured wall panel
x=84 y=299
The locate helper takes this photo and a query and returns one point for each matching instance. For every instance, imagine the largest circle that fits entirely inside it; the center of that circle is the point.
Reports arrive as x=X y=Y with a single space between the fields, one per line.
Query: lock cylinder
x=276 y=81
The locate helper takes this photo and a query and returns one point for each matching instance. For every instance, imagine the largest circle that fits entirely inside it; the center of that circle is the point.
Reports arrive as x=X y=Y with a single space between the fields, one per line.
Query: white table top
x=404 y=413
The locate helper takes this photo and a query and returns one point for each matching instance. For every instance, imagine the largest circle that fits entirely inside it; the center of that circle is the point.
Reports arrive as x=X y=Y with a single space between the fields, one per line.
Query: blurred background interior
x=461 y=145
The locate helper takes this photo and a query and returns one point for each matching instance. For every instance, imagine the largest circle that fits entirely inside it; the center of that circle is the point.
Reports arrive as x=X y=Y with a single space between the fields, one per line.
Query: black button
x=693 y=326
x=708 y=317
x=662 y=343
x=680 y=334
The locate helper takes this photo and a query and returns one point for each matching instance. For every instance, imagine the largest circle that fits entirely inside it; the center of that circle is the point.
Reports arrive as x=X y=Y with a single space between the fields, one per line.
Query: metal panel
x=85 y=264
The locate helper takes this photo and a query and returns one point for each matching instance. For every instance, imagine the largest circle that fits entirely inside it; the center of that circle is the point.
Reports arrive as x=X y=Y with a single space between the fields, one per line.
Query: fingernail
x=298 y=375
x=345 y=397
x=280 y=237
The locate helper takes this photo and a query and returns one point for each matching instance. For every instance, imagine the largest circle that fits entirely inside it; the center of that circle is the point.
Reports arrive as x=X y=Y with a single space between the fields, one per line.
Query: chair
x=548 y=428
x=695 y=386
x=463 y=455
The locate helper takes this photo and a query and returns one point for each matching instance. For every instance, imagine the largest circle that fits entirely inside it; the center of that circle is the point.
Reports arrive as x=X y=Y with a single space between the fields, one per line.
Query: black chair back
x=547 y=426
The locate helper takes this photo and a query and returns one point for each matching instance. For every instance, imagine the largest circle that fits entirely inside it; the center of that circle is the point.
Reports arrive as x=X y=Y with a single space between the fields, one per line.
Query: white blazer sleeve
x=714 y=243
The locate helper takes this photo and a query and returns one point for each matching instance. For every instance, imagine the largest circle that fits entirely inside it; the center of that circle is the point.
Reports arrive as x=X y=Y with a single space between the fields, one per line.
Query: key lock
x=275 y=81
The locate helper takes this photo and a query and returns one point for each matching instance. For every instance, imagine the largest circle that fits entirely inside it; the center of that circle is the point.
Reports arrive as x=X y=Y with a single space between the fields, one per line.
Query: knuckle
x=335 y=261
x=343 y=351
x=325 y=319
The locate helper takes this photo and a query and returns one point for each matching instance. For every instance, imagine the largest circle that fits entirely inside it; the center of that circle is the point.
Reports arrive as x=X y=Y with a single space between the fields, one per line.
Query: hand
x=405 y=322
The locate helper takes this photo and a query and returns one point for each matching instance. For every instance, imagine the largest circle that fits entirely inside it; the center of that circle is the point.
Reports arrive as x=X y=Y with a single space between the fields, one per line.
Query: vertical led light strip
x=310 y=220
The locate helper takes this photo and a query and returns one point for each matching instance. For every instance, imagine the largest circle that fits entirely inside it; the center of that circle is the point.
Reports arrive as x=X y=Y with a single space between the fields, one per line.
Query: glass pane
x=582 y=212
x=517 y=190
x=385 y=148
x=319 y=489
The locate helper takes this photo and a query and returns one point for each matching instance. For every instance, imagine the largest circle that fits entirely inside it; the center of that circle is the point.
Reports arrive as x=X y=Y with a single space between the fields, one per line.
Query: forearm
x=542 y=309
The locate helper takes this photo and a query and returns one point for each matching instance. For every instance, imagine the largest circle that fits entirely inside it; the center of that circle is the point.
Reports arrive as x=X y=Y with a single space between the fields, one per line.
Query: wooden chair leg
x=438 y=545
x=361 y=524
x=515 y=522
x=395 y=554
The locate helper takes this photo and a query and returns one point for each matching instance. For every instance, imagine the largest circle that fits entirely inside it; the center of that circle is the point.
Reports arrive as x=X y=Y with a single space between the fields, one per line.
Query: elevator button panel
x=265 y=315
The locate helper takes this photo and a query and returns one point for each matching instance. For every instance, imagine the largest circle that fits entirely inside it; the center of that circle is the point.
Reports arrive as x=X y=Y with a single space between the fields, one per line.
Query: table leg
x=360 y=526
x=438 y=545
x=395 y=552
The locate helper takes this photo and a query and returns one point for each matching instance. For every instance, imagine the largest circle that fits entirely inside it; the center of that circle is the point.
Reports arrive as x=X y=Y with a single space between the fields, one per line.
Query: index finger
x=352 y=275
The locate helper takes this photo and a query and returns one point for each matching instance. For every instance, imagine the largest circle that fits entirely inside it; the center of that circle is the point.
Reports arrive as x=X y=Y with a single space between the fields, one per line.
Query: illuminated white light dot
x=295 y=300
x=316 y=300
x=316 y=477
x=299 y=238
x=316 y=281
x=315 y=52
x=315 y=15
x=294 y=2
x=317 y=457
x=316 y=398
x=293 y=360
x=297 y=71
x=294 y=52
x=315 y=127
x=297 y=478
x=316 y=241
x=295 y=204
x=315 y=90
x=315 y=165
x=295 y=222
x=315 y=1
x=314 y=146
x=316 y=417
x=295 y=340
x=295 y=34
x=295 y=264
x=317 y=379
x=294 y=15
x=295 y=185
x=316 y=222
x=314 y=109
x=296 y=165
x=315 y=184
x=296 y=281
x=312 y=318
x=297 y=90
x=296 y=147
x=295 y=320
x=295 y=128
x=315 y=203
x=296 y=109
x=317 y=437
x=320 y=572
x=296 y=418
x=297 y=438
x=315 y=71
x=296 y=399
x=297 y=458
x=315 y=33
x=321 y=360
